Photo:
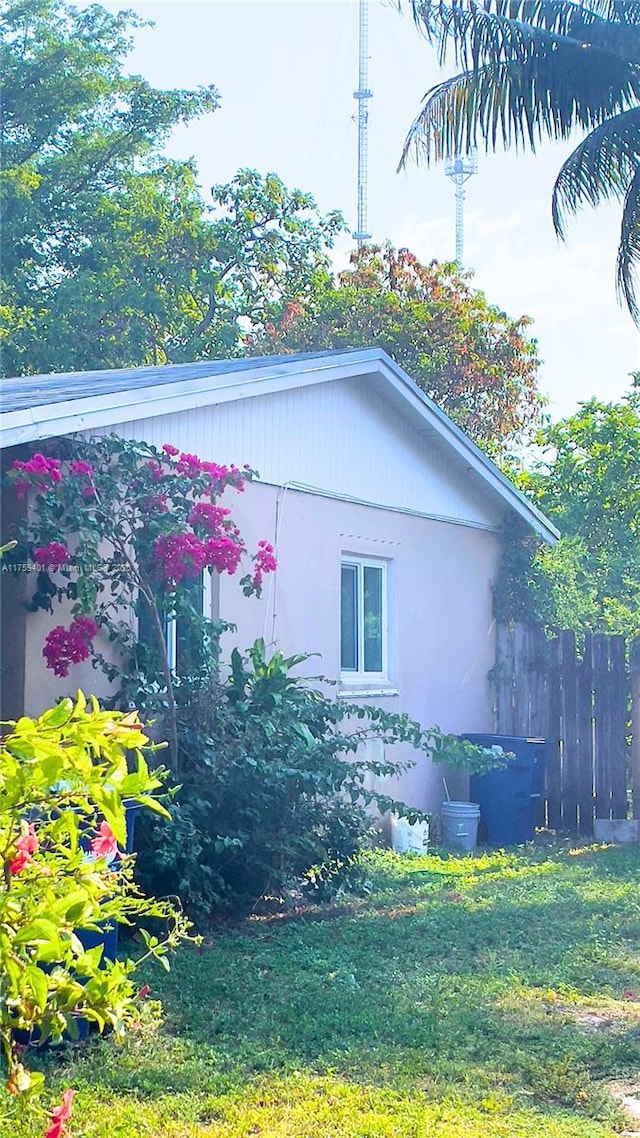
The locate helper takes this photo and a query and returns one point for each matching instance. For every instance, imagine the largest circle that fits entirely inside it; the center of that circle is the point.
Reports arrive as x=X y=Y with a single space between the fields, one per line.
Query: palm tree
x=536 y=68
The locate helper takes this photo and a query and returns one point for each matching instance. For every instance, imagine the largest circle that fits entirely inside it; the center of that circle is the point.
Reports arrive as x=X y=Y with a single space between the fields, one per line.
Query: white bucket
x=460 y=824
x=409 y=837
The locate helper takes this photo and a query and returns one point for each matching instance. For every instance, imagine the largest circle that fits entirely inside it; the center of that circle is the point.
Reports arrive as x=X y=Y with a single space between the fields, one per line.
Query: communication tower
x=460 y=169
x=362 y=96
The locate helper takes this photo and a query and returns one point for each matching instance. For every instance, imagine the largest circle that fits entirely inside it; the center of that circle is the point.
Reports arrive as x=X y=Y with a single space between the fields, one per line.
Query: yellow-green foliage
x=64 y=778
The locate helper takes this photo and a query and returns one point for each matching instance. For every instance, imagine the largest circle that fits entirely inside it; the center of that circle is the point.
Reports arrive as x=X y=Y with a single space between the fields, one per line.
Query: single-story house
x=365 y=487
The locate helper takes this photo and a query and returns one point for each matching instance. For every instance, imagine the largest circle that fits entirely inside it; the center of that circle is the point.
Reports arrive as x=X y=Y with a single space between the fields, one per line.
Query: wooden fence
x=587 y=705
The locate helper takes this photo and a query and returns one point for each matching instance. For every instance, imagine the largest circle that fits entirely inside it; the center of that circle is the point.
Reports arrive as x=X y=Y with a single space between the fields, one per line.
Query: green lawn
x=496 y=995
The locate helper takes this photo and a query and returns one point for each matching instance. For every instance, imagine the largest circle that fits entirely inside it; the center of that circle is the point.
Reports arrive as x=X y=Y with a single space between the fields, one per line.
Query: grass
x=492 y=995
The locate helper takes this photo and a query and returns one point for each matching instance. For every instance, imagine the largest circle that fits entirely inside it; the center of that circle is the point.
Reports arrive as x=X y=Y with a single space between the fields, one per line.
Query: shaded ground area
x=491 y=995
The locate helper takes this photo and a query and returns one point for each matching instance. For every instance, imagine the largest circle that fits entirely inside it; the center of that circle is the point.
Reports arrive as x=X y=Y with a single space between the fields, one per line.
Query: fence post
x=635 y=724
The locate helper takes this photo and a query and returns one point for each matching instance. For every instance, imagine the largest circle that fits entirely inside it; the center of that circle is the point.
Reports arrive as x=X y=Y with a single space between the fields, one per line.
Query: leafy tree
x=590 y=487
x=471 y=358
x=75 y=128
x=111 y=257
x=535 y=68
x=271 y=247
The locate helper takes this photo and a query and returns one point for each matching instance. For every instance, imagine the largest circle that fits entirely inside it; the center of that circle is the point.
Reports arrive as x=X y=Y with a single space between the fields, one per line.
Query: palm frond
x=629 y=249
x=534 y=68
x=601 y=167
x=498 y=29
x=516 y=103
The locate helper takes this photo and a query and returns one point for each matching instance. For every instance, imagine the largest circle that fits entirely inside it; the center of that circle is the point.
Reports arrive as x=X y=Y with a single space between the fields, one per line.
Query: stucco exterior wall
x=13 y=593
x=441 y=631
x=42 y=688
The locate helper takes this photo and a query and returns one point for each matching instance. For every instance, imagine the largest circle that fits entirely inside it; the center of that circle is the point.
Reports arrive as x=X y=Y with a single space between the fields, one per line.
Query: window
x=182 y=647
x=363 y=619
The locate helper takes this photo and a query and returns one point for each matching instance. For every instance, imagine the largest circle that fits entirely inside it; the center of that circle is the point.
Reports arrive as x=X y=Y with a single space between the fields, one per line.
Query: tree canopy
x=588 y=483
x=478 y=364
x=111 y=257
x=544 y=68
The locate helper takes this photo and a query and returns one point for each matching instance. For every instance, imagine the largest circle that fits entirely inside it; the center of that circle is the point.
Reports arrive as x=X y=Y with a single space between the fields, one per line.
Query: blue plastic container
x=509 y=798
x=108 y=934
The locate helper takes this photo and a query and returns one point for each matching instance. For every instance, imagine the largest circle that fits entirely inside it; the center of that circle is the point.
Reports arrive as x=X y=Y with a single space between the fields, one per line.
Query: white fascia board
x=92 y=412
x=475 y=459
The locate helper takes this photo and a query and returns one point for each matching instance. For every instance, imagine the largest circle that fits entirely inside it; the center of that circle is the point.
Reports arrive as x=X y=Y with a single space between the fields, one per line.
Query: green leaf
x=153 y=804
x=59 y=715
x=39 y=931
x=38 y=984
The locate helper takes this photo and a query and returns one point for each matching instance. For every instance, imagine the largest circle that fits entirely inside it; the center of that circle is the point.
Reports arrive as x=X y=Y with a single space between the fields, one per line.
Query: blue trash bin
x=509 y=797
x=108 y=934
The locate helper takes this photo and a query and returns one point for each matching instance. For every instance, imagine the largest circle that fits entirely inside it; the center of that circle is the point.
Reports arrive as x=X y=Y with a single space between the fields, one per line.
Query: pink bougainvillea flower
x=170 y=450
x=264 y=561
x=81 y=468
x=54 y=554
x=85 y=626
x=208 y=516
x=156 y=470
x=66 y=646
x=265 y=557
x=179 y=555
x=44 y=472
x=216 y=473
x=105 y=844
x=190 y=465
x=60 y=1115
x=223 y=553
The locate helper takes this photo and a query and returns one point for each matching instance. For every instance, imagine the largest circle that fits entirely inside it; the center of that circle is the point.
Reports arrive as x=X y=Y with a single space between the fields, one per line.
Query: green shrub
x=274 y=787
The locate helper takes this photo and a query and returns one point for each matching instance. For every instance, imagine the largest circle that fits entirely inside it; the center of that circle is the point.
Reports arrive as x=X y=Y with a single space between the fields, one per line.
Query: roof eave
x=93 y=412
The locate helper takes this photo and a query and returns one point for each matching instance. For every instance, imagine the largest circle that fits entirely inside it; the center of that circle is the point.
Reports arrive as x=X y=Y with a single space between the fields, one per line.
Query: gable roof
x=45 y=406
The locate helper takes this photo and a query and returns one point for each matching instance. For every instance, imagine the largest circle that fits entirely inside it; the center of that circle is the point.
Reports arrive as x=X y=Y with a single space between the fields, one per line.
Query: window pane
x=188 y=642
x=372 y=618
x=349 y=619
x=148 y=653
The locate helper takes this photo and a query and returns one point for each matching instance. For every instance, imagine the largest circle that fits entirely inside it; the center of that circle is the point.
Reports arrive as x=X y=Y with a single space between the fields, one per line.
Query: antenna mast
x=363 y=93
x=460 y=169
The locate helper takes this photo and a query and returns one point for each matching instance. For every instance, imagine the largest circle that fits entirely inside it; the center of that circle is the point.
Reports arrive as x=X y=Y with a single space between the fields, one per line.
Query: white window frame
x=352 y=676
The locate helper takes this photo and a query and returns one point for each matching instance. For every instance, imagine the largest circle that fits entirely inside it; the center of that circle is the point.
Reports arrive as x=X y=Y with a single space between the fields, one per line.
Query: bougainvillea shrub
x=119 y=530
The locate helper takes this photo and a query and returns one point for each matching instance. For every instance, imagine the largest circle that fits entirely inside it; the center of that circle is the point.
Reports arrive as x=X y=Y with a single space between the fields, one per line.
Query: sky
x=286 y=71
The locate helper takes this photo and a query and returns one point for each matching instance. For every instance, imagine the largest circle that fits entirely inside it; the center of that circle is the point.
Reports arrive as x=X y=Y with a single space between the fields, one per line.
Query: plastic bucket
x=409 y=837
x=460 y=824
